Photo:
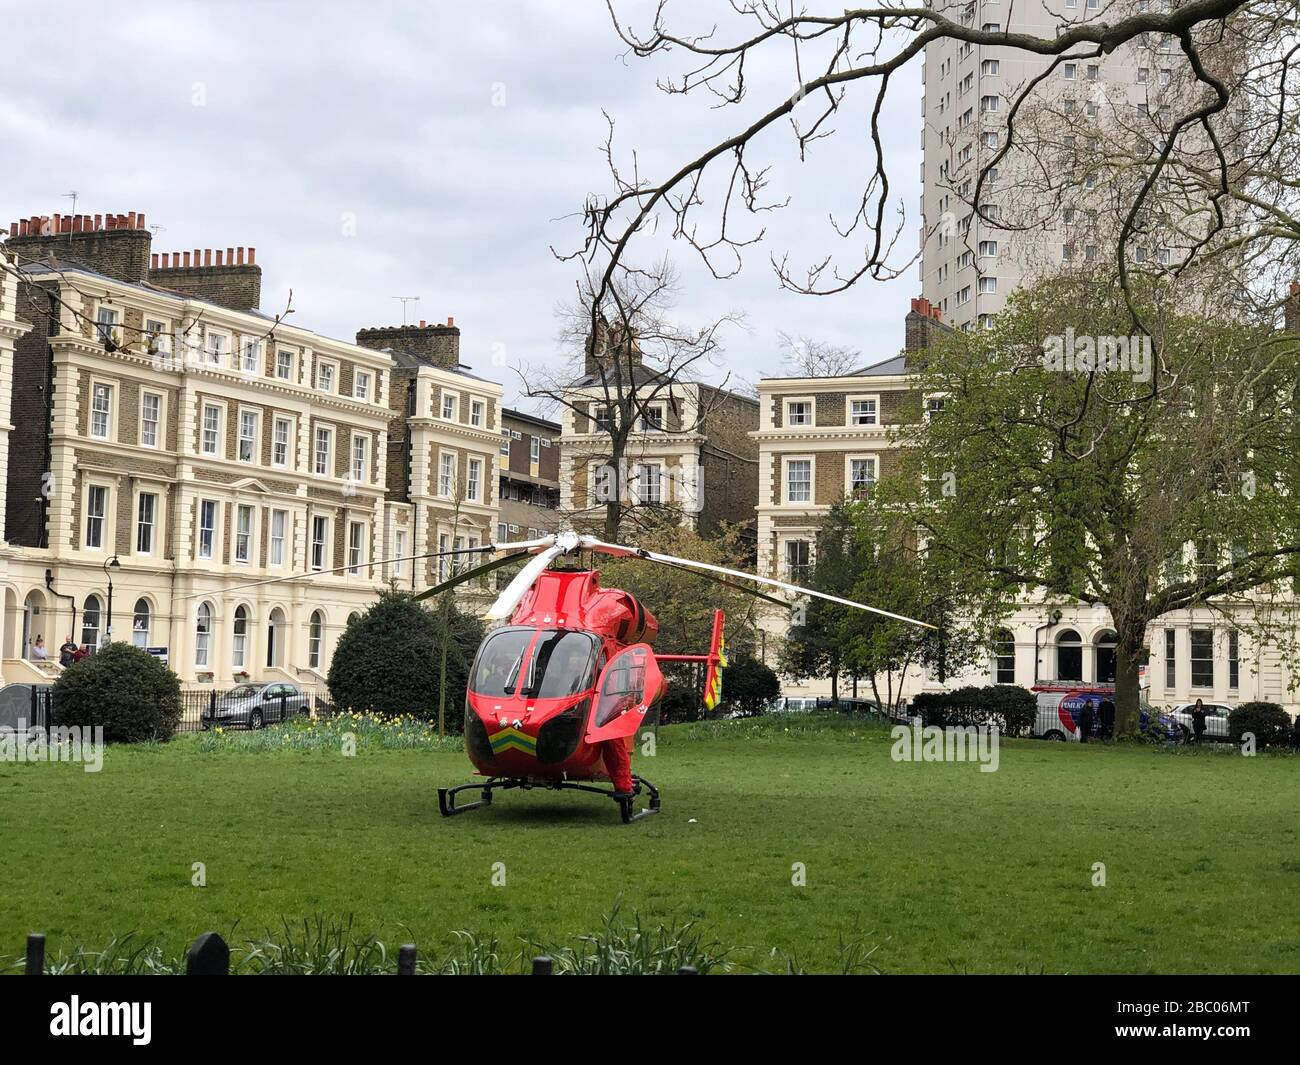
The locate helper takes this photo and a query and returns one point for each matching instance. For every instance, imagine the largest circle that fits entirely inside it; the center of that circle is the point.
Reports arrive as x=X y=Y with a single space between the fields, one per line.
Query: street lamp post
x=109 y=566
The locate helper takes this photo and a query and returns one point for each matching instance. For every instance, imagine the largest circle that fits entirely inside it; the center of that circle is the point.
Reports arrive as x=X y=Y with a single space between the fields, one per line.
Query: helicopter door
x=628 y=687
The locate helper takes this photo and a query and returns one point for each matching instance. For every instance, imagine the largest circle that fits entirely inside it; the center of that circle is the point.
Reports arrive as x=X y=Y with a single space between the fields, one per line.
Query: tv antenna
x=73 y=197
x=406 y=301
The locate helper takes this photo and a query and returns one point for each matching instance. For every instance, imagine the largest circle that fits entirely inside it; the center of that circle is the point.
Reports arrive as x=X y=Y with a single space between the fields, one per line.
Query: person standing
x=1107 y=710
x=1198 y=720
x=1086 y=718
x=38 y=650
x=67 y=653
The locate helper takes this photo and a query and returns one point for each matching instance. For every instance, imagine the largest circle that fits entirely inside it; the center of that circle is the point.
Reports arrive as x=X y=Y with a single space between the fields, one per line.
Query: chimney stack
x=438 y=345
x=116 y=245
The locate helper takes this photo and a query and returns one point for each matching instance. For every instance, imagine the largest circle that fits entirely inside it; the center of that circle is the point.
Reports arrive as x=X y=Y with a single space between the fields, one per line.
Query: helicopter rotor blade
x=470 y=574
x=618 y=550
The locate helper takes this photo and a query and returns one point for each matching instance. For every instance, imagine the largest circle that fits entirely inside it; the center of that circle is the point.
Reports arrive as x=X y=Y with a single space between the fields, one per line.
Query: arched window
x=315 y=637
x=241 y=637
x=90 y=622
x=1104 y=658
x=1004 y=651
x=203 y=635
x=140 y=624
x=1069 y=656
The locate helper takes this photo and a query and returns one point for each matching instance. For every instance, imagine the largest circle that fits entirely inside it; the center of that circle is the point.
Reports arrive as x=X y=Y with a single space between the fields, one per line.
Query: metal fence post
x=208 y=956
x=35 y=955
x=688 y=970
x=406 y=960
x=543 y=966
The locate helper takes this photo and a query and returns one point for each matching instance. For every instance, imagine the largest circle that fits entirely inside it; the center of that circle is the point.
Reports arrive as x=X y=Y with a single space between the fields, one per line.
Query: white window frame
x=248 y=536
x=140 y=523
x=361 y=385
x=849 y=460
x=356 y=545
x=216 y=345
x=473 y=479
x=328 y=431
x=203 y=429
x=787 y=570
x=446 y=486
x=160 y=331
x=360 y=464
x=455 y=406
x=477 y=413
x=281 y=420
x=214 y=530
x=109 y=413
x=277 y=542
x=253 y=441
x=786 y=460
x=108 y=323
x=642 y=469
x=102 y=517
x=644 y=426
x=399 y=551
x=862 y=398
x=245 y=345
x=333 y=367
x=293 y=358
x=323 y=542
x=160 y=419
x=788 y=401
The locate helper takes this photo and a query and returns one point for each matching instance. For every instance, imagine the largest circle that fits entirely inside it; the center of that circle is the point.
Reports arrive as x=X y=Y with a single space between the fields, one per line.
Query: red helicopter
x=574 y=670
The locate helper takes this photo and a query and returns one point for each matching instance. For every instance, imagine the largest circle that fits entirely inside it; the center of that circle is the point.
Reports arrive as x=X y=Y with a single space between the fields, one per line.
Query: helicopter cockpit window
x=500 y=661
x=563 y=664
x=624 y=686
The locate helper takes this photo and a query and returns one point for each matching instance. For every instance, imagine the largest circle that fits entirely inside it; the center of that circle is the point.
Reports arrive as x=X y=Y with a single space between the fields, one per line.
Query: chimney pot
x=13 y=229
x=240 y=253
x=130 y=220
x=58 y=223
x=153 y=261
x=187 y=258
x=218 y=256
x=450 y=320
x=252 y=256
x=99 y=221
x=230 y=256
x=207 y=257
x=422 y=323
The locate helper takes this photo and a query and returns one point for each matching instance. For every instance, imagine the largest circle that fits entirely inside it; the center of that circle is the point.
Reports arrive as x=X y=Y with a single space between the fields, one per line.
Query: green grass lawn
x=940 y=867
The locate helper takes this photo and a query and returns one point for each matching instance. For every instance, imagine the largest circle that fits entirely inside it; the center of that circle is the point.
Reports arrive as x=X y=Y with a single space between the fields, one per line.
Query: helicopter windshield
x=562 y=663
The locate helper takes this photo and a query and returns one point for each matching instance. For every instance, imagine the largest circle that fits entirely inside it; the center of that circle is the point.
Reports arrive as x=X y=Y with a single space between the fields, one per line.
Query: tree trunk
x=1128 y=657
x=835 y=679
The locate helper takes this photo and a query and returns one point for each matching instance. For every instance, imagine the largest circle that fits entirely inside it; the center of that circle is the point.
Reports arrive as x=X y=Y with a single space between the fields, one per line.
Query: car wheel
x=1054 y=734
x=255 y=719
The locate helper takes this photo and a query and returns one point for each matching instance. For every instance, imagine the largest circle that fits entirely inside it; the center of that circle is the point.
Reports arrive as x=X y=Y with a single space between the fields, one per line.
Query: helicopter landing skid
x=626 y=803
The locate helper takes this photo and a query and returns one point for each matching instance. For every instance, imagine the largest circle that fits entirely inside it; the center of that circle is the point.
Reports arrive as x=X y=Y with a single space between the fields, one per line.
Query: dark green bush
x=1009 y=706
x=389 y=660
x=748 y=684
x=1270 y=724
x=127 y=691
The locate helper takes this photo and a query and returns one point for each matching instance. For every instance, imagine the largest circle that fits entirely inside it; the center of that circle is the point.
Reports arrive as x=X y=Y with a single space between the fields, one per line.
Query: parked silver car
x=254 y=705
x=1216 y=719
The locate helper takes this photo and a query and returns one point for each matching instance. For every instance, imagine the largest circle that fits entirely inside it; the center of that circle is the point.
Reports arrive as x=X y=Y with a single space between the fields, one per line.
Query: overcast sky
x=456 y=137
